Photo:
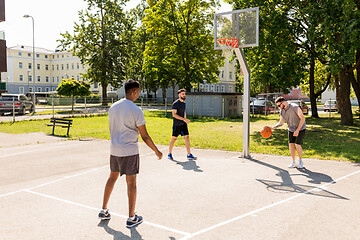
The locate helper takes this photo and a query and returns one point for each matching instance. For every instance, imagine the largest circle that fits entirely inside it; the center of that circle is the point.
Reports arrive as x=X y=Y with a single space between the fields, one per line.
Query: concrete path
x=51 y=189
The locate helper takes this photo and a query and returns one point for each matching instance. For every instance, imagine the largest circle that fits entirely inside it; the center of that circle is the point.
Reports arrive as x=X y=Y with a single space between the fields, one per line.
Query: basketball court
x=54 y=190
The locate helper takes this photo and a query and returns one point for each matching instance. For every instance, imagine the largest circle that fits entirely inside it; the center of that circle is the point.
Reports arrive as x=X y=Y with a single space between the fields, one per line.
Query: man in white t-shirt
x=126 y=122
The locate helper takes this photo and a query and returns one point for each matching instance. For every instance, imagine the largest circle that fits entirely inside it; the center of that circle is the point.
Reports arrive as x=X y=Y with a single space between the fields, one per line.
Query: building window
x=230 y=75
x=222 y=88
x=67 y=66
x=47 y=89
x=39 y=89
x=20 y=64
x=77 y=66
x=46 y=56
x=57 y=79
x=37 y=55
x=53 y=89
x=62 y=66
x=21 y=78
x=217 y=88
x=29 y=65
x=72 y=66
x=20 y=53
x=53 y=67
x=53 y=79
x=62 y=56
x=57 y=67
x=230 y=88
x=46 y=79
x=38 y=66
x=212 y=88
x=206 y=87
x=78 y=77
x=96 y=85
x=29 y=54
x=57 y=56
x=46 y=67
x=21 y=90
x=30 y=78
x=31 y=89
x=222 y=73
x=39 y=78
x=53 y=57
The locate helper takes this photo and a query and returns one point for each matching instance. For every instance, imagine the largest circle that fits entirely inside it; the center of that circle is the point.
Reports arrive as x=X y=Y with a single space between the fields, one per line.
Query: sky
x=51 y=17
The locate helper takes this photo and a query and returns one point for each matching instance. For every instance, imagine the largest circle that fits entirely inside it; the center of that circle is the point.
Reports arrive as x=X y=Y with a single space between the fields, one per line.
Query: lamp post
x=33 y=27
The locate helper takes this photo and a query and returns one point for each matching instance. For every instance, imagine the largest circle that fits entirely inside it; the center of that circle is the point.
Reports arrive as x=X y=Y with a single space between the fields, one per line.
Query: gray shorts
x=128 y=165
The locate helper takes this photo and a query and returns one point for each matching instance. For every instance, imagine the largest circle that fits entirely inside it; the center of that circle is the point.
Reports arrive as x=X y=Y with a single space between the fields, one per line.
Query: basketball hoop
x=227 y=45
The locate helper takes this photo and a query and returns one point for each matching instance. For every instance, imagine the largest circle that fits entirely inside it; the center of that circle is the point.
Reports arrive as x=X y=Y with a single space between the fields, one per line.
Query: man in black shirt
x=180 y=123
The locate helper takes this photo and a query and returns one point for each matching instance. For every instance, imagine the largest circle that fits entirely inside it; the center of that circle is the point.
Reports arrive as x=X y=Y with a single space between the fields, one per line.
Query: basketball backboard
x=240 y=24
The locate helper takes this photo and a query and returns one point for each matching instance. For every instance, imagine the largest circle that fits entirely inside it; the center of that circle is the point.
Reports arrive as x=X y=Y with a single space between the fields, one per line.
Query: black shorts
x=128 y=165
x=297 y=140
x=182 y=129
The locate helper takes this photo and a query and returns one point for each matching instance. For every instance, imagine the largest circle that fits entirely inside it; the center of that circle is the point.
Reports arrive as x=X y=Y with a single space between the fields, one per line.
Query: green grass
x=325 y=137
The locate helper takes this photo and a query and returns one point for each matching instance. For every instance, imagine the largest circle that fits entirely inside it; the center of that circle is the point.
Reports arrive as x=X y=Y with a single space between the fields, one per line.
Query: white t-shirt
x=124 y=118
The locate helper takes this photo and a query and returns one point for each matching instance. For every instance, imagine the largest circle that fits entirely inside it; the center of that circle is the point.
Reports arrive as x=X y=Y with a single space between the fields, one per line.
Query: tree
x=72 y=88
x=180 y=48
x=101 y=41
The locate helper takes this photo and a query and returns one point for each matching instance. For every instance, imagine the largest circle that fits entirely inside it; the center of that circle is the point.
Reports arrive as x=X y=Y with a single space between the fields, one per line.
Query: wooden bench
x=60 y=122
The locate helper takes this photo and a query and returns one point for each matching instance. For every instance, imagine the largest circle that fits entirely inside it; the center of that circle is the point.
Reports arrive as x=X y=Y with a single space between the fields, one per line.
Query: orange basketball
x=266 y=132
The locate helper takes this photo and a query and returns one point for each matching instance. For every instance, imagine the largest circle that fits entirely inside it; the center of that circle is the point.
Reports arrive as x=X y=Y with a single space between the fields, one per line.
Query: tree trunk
x=104 y=94
x=164 y=94
x=314 y=112
x=355 y=82
x=344 y=97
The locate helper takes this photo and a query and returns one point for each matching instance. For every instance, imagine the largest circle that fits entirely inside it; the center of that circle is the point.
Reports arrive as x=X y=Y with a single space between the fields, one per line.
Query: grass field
x=325 y=137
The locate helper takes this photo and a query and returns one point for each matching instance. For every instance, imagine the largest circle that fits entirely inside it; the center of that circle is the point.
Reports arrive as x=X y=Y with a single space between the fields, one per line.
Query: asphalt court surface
x=54 y=190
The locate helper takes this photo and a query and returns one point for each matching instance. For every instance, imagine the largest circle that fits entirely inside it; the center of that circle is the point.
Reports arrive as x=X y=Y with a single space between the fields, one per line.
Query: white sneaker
x=301 y=164
x=292 y=165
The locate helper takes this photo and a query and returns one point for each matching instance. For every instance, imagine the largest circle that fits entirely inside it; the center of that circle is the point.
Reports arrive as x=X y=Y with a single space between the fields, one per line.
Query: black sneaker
x=104 y=214
x=132 y=223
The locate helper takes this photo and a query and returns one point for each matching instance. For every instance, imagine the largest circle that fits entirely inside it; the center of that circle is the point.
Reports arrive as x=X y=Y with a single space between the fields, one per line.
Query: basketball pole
x=246 y=102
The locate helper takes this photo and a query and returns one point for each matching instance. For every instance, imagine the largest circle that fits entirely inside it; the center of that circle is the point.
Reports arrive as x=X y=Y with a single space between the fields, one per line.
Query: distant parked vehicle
x=20 y=102
x=330 y=105
x=260 y=105
x=301 y=104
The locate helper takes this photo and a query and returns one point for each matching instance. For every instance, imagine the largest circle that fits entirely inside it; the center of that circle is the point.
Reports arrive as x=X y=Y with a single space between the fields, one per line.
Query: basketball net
x=227 y=45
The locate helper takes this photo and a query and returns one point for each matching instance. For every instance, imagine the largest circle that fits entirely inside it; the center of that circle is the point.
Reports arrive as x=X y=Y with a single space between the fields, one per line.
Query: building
x=3 y=65
x=51 y=67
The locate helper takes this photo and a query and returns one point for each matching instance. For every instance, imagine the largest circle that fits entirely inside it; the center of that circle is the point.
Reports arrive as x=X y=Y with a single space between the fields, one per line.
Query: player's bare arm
x=279 y=124
x=301 y=123
x=175 y=115
x=147 y=139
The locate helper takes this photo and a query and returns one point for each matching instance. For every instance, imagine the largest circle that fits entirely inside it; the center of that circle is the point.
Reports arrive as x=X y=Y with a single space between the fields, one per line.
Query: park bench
x=60 y=122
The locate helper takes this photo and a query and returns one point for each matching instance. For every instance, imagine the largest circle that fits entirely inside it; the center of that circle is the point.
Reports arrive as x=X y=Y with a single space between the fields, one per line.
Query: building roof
x=29 y=49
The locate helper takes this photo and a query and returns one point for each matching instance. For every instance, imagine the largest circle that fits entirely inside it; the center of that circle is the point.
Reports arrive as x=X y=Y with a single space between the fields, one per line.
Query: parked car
x=260 y=105
x=21 y=104
x=301 y=104
x=330 y=105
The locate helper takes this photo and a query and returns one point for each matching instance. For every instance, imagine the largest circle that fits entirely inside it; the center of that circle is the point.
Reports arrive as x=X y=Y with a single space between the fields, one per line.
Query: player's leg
x=109 y=188
x=133 y=219
x=298 y=146
x=131 y=191
x=187 y=144
x=172 y=142
x=292 y=149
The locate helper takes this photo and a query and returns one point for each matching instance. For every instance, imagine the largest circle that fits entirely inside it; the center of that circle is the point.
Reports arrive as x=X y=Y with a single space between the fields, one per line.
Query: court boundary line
x=266 y=207
x=66 y=177
x=97 y=210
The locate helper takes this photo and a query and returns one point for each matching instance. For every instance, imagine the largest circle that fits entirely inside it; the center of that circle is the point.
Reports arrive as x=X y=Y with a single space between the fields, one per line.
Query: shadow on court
x=119 y=235
x=189 y=165
x=287 y=184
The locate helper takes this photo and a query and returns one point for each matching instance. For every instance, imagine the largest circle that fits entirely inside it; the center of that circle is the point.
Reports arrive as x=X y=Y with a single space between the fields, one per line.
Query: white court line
x=264 y=208
x=112 y=213
x=66 y=177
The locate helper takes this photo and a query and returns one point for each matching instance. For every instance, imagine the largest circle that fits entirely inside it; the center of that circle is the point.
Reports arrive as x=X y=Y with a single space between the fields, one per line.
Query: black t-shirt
x=180 y=107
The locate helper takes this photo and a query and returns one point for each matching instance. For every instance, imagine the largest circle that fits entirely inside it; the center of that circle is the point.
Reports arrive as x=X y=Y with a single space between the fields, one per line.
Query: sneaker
x=170 y=156
x=292 y=165
x=301 y=164
x=191 y=157
x=104 y=214
x=132 y=223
